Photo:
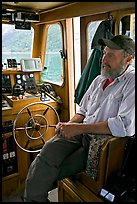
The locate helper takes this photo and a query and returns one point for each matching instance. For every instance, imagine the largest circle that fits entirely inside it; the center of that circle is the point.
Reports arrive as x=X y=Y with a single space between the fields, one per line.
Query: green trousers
x=58 y=159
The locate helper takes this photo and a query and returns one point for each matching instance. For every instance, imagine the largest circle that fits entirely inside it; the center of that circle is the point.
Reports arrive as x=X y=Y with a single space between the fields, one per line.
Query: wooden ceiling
x=33 y=6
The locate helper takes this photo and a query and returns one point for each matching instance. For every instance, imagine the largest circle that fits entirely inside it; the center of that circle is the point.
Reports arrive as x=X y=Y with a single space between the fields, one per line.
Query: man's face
x=113 y=63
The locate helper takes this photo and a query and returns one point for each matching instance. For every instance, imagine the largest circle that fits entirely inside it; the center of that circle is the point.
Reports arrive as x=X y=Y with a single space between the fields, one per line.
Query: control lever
x=47 y=90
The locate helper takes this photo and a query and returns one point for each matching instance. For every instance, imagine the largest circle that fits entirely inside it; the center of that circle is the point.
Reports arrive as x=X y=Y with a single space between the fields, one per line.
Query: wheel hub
x=37 y=127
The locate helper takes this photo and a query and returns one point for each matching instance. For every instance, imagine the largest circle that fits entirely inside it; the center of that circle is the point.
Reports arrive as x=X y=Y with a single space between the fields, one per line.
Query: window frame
x=62 y=26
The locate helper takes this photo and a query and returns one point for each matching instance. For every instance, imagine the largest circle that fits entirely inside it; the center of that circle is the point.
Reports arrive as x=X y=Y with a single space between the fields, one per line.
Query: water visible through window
x=16 y=43
x=53 y=60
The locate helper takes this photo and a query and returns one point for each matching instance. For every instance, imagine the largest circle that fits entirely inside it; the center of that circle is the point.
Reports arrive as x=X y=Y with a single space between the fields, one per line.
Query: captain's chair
x=107 y=161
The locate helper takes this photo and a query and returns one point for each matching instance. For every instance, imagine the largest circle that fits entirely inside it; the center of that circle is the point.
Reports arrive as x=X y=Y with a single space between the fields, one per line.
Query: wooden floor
x=53 y=197
x=14 y=198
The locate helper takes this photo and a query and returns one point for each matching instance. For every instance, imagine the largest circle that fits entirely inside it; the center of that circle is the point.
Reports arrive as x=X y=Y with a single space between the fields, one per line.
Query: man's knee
x=51 y=152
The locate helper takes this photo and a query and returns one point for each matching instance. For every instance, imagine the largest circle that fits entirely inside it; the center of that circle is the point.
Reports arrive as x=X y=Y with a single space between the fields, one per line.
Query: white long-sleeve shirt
x=116 y=103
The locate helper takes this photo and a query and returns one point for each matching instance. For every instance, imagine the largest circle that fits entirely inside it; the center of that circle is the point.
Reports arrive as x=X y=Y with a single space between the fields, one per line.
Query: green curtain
x=91 y=70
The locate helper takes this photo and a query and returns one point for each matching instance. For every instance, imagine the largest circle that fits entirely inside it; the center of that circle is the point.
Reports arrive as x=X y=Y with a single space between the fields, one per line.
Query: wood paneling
x=84 y=9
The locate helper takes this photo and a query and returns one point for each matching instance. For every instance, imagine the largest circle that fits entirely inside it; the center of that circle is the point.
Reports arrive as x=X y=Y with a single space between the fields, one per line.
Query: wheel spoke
x=23 y=128
x=20 y=128
x=27 y=144
x=30 y=115
x=43 y=140
x=43 y=114
x=30 y=136
x=52 y=126
x=45 y=111
x=29 y=112
x=29 y=127
x=40 y=135
x=43 y=126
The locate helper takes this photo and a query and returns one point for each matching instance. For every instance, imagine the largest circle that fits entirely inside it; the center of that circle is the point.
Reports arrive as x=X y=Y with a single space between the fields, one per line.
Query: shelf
x=11 y=71
x=14 y=71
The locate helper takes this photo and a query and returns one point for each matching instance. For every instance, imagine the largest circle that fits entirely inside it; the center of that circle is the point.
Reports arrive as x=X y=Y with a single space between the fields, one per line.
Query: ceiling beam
x=83 y=9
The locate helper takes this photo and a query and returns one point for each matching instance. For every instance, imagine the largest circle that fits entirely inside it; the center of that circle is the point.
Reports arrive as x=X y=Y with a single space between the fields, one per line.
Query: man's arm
x=78 y=118
x=69 y=130
x=96 y=128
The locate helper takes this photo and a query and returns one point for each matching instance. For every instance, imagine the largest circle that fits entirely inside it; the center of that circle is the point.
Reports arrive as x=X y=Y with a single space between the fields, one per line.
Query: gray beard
x=107 y=72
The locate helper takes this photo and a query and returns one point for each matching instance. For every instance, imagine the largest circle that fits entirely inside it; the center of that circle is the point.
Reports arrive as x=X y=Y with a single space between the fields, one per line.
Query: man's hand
x=68 y=130
x=58 y=126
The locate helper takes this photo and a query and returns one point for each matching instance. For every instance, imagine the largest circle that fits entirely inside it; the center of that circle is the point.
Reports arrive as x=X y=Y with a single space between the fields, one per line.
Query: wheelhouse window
x=53 y=55
x=91 y=30
x=16 y=43
x=127 y=27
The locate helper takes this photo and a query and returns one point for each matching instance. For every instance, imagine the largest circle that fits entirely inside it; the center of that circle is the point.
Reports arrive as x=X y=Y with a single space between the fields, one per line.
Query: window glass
x=132 y=26
x=53 y=59
x=91 y=30
x=127 y=27
x=16 y=43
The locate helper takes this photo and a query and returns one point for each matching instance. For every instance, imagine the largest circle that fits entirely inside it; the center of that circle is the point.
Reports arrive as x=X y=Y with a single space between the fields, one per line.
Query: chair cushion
x=95 y=145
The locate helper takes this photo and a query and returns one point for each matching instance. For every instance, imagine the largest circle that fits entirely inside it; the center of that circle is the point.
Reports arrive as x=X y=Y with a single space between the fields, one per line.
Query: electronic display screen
x=31 y=64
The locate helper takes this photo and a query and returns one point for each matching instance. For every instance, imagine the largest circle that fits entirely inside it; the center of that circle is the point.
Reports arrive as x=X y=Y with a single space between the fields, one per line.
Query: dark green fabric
x=91 y=70
x=93 y=67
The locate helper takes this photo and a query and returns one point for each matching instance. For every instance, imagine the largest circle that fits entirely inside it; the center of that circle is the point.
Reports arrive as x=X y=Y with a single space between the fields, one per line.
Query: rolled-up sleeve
x=124 y=123
x=83 y=106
